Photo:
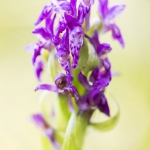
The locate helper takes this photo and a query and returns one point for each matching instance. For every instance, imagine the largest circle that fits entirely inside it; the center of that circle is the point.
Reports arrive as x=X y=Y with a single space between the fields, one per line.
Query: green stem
x=75 y=133
x=81 y=126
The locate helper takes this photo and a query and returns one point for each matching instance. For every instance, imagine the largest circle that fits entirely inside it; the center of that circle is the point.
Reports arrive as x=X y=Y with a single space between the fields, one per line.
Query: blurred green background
x=131 y=89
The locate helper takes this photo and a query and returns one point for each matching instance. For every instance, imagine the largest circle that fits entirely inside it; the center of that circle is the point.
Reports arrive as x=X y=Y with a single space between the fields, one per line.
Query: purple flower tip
x=46 y=87
x=40 y=121
x=39 y=66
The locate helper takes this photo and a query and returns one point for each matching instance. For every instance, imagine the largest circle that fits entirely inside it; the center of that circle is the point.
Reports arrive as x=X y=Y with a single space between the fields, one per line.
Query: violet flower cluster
x=67 y=24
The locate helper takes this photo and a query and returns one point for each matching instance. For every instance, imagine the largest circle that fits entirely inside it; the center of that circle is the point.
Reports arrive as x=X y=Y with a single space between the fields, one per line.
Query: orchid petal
x=48 y=131
x=103 y=48
x=70 y=20
x=103 y=7
x=82 y=103
x=73 y=4
x=81 y=14
x=46 y=12
x=114 y=11
x=50 y=24
x=36 y=52
x=38 y=68
x=71 y=91
x=101 y=83
x=94 y=75
x=66 y=7
x=87 y=21
x=39 y=121
x=83 y=80
x=103 y=105
x=42 y=31
x=47 y=87
x=116 y=34
x=94 y=97
x=76 y=41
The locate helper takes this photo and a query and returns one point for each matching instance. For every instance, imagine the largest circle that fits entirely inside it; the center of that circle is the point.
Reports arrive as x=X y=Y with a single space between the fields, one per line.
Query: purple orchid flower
x=62 y=87
x=49 y=132
x=59 y=6
x=108 y=15
x=44 y=42
x=62 y=45
x=100 y=49
x=98 y=80
x=94 y=99
x=84 y=12
x=36 y=58
x=76 y=35
x=63 y=55
x=74 y=23
x=45 y=35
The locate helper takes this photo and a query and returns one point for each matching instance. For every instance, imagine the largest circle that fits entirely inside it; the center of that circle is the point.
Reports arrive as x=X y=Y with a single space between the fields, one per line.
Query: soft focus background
x=131 y=89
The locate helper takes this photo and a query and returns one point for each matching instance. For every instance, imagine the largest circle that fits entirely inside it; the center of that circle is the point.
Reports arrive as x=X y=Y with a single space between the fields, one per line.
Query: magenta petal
x=81 y=14
x=116 y=34
x=71 y=90
x=103 y=7
x=87 y=21
x=47 y=87
x=83 y=80
x=94 y=97
x=101 y=83
x=94 y=75
x=46 y=12
x=114 y=11
x=39 y=121
x=70 y=21
x=94 y=40
x=38 y=66
x=42 y=31
x=73 y=5
x=36 y=53
x=103 y=49
x=83 y=102
x=103 y=106
x=50 y=24
x=66 y=6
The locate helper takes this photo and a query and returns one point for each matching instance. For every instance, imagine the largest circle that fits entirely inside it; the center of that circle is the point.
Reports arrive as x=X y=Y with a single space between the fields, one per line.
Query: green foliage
x=93 y=60
x=62 y=112
x=75 y=132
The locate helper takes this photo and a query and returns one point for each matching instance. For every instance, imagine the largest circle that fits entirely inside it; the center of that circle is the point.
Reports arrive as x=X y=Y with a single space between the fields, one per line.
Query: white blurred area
x=131 y=89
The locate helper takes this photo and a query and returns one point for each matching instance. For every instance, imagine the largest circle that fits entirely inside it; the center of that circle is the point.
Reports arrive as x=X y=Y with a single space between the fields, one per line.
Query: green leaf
x=70 y=135
x=110 y=123
x=93 y=60
x=53 y=65
x=84 y=54
x=81 y=126
x=59 y=107
x=75 y=133
x=62 y=112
